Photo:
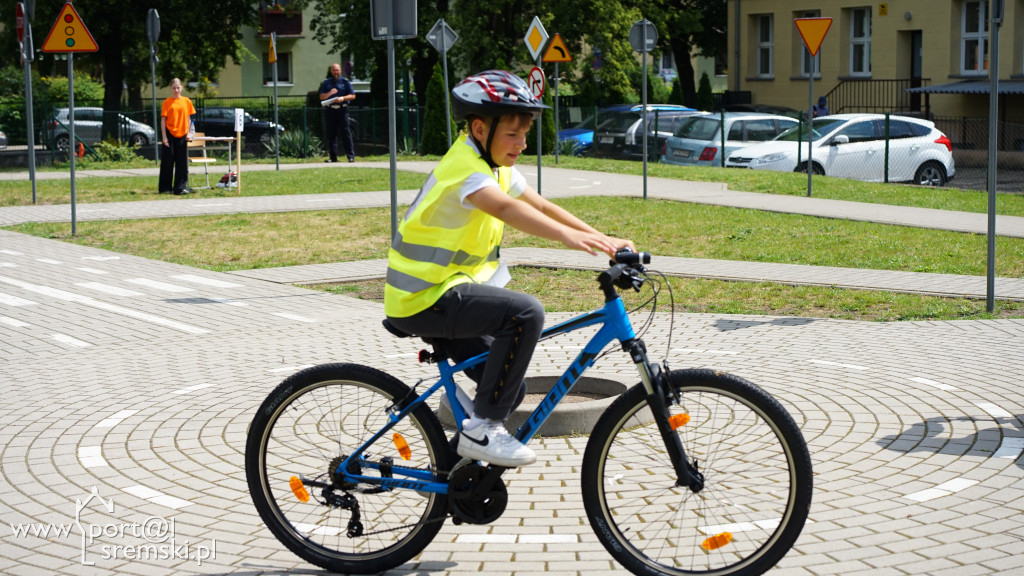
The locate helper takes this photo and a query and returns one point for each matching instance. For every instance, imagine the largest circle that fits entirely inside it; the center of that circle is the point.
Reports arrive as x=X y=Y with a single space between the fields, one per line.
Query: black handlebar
x=624 y=272
x=628 y=256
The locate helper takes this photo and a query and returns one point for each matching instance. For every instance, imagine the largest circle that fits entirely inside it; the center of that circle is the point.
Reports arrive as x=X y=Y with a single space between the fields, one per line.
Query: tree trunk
x=684 y=66
x=113 y=80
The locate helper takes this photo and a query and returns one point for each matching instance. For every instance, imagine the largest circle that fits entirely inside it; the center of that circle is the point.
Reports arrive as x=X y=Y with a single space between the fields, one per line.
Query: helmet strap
x=485 y=149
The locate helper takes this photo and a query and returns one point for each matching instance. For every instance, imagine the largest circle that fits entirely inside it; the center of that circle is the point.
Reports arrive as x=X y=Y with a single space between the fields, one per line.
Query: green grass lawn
x=245 y=241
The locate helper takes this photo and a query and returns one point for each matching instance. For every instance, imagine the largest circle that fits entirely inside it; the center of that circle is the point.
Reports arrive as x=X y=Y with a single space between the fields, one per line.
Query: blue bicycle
x=688 y=472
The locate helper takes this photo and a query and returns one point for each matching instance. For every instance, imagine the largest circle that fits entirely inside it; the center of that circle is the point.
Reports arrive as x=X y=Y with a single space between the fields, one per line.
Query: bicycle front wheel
x=305 y=429
x=756 y=469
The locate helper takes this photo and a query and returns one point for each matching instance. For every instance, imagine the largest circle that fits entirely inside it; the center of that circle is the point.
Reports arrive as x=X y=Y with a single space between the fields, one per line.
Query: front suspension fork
x=659 y=397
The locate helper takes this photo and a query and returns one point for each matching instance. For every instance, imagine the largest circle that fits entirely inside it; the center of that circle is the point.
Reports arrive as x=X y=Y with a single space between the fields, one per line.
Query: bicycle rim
x=757 y=474
x=303 y=429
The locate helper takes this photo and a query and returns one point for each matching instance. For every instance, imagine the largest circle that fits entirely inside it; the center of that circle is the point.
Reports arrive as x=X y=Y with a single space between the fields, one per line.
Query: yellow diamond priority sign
x=535 y=37
x=813 y=31
x=69 y=34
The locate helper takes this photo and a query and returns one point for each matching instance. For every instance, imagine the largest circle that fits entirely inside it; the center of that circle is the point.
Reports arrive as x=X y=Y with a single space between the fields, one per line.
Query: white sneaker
x=490 y=442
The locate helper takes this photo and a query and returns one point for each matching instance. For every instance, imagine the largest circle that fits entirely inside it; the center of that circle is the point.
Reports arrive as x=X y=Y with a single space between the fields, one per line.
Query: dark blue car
x=581 y=135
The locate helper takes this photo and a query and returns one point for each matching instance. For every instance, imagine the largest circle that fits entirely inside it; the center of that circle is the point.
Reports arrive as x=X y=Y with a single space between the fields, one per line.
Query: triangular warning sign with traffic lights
x=557 y=52
x=69 y=34
x=813 y=31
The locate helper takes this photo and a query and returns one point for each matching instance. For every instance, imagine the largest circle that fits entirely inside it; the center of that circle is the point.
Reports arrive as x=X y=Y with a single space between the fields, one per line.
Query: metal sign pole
x=447 y=96
x=392 y=118
x=993 y=152
x=810 y=122
x=153 y=31
x=540 y=138
x=27 y=56
x=643 y=90
x=556 y=114
x=277 y=136
x=71 y=140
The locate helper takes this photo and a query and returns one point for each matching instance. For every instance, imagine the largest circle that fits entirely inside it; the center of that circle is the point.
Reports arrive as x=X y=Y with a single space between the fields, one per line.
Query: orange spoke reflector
x=717 y=541
x=298 y=489
x=679 y=420
x=402 y=445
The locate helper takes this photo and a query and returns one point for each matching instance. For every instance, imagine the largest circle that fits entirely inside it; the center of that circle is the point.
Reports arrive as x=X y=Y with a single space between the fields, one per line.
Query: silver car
x=698 y=140
x=89 y=129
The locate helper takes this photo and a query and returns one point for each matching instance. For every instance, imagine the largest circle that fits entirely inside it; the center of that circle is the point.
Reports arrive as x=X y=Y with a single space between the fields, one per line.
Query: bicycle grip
x=628 y=256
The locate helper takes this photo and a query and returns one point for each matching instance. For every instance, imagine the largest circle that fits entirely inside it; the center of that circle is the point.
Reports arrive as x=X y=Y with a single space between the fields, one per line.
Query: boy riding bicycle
x=445 y=280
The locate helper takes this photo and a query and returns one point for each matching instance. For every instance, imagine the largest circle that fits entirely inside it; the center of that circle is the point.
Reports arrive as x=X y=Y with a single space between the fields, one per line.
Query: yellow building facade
x=873 y=53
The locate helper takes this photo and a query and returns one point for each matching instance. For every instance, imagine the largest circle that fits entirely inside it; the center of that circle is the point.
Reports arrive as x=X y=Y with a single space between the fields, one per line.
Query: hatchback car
x=89 y=129
x=618 y=133
x=579 y=138
x=698 y=140
x=220 y=121
x=855 y=146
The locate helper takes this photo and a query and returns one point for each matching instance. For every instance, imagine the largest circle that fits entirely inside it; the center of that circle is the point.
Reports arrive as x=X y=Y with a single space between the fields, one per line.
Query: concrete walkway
x=560 y=183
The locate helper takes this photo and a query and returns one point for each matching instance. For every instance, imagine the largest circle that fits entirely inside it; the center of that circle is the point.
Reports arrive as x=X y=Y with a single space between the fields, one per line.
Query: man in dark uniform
x=335 y=94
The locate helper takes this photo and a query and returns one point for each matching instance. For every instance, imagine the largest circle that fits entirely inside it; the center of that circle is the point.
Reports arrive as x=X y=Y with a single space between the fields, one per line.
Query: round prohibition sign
x=536 y=81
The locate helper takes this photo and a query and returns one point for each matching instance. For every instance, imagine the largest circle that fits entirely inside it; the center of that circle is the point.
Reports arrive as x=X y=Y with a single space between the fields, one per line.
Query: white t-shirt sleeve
x=476 y=181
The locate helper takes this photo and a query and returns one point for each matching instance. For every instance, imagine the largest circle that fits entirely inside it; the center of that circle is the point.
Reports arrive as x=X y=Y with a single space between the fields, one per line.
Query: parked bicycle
x=689 y=472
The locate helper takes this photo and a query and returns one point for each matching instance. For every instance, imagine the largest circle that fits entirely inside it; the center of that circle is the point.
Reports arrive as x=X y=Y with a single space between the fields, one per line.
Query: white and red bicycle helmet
x=494 y=93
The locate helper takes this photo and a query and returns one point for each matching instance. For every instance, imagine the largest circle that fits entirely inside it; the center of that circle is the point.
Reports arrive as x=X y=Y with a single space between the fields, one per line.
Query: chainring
x=476 y=494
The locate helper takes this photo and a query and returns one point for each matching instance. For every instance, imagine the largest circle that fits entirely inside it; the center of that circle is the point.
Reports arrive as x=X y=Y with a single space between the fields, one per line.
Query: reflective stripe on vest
x=441 y=243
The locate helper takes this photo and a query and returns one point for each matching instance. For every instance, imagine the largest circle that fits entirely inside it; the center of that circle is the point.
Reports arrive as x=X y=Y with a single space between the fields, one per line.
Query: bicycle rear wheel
x=304 y=429
x=757 y=480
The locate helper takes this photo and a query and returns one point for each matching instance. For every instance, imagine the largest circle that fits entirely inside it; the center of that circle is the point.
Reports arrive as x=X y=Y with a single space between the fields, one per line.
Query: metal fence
x=303 y=122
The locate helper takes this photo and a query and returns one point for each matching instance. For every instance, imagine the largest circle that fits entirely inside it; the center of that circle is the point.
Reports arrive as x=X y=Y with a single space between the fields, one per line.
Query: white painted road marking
x=14 y=300
x=993 y=410
x=157 y=497
x=293 y=317
x=108 y=289
x=166 y=287
x=207 y=281
x=944 y=489
x=13 y=322
x=837 y=364
x=934 y=384
x=70 y=340
x=91 y=456
x=193 y=388
x=1010 y=447
x=69 y=297
x=115 y=419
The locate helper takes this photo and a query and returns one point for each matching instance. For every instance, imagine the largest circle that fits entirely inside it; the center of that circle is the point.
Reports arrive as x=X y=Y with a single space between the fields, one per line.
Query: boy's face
x=509 y=138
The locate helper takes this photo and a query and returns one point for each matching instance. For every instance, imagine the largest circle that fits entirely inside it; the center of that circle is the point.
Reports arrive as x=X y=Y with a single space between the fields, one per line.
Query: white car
x=698 y=140
x=855 y=146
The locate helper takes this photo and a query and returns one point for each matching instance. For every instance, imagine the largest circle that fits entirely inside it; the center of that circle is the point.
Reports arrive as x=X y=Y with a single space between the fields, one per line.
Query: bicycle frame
x=615 y=325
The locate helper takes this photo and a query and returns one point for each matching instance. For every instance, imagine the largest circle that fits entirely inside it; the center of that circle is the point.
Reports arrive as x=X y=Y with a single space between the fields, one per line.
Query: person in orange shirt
x=175 y=121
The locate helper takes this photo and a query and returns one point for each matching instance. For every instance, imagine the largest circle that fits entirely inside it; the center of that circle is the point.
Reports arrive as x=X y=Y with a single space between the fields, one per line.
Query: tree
x=705 y=101
x=687 y=27
x=193 y=44
x=436 y=122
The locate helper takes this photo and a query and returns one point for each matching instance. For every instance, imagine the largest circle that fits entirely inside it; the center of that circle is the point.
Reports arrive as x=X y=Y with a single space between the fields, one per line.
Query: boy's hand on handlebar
x=591 y=242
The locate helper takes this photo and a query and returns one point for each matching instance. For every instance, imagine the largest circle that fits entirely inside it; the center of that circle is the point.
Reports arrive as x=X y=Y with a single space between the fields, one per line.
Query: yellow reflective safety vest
x=441 y=243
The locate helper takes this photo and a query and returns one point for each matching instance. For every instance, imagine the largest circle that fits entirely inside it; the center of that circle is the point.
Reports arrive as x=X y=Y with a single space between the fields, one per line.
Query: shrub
x=295 y=144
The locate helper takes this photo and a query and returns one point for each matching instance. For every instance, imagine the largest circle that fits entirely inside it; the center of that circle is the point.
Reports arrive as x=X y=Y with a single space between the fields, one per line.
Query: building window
x=765 y=45
x=808 y=64
x=860 y=42
x=284 y=75
x=974 y=37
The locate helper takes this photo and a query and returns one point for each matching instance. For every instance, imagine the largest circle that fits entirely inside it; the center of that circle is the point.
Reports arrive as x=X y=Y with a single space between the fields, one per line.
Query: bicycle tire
x=303 y=428
x=756 y=468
